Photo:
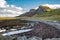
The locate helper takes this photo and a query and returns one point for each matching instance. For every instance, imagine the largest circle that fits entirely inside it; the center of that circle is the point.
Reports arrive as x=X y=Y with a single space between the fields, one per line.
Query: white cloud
x=9 y=10
x=2 y=3
x=53 y=6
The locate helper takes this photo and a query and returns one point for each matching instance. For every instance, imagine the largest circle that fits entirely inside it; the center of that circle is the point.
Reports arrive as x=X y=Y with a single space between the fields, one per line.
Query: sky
x=12 y=8
x=28 y=4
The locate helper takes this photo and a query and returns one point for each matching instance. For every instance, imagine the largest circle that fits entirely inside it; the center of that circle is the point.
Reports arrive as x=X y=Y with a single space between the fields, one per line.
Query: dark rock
x=43 y=31
x=33 y=12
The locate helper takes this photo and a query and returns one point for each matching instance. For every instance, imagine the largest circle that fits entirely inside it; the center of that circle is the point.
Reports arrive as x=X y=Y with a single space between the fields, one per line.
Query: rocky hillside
x=55 y=12
x=44 y=13
x=33 y=12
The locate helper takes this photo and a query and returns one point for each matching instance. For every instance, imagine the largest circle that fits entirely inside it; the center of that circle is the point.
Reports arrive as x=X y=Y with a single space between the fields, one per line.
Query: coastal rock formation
x=43 y=31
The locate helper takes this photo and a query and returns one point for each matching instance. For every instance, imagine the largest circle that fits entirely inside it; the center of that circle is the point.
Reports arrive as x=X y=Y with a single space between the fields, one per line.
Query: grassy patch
x=52 y=15
x=7 y=18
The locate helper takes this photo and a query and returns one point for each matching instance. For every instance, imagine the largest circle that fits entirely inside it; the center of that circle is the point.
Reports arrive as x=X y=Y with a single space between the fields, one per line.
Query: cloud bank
x=9 y=10
x=53 y=6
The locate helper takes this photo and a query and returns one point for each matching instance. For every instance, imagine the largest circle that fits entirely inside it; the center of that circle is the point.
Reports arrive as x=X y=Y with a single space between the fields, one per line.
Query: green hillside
x=51 y=15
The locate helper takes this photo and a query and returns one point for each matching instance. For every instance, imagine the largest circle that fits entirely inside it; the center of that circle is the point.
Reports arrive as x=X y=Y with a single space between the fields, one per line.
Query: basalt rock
x=43 y=31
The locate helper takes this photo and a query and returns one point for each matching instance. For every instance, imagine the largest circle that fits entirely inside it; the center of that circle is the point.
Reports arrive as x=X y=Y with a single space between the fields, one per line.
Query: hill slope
x=33 y=12
x=43 y=12
x=51 y=15
x=55 y=12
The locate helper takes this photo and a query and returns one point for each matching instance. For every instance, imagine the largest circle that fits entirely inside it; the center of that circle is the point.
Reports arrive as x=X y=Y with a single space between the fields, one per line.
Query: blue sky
x=28 y=4
x=18 y=7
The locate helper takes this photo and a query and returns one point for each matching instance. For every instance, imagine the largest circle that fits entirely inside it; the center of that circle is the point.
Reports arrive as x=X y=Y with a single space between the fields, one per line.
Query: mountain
x=55 y=12
x=28 y=14
x=33 y=12
x=43 y=13
x=51 y=15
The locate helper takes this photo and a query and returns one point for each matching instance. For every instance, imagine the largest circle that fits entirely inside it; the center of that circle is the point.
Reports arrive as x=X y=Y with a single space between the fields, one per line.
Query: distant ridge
x=33 y=12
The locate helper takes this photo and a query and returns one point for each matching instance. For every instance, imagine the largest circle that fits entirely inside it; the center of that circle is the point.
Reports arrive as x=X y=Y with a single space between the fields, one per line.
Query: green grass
x=52 y=15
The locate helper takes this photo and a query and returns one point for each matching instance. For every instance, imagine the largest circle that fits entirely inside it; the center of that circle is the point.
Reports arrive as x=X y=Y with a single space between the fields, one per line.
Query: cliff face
x=32 y=12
